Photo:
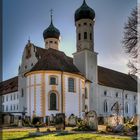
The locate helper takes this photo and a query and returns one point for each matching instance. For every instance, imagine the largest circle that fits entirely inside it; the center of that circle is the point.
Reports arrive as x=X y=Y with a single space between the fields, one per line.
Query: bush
x=134 y=128
x=82 y=126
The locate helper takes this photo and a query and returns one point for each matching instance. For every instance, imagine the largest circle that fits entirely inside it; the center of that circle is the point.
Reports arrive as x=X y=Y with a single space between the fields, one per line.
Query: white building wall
x=72 y=98
x=73 y=101
x=11 y=100
x=111 y=98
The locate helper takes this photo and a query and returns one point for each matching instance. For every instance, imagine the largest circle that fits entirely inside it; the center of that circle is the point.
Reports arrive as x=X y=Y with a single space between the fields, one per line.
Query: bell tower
x=85 y=58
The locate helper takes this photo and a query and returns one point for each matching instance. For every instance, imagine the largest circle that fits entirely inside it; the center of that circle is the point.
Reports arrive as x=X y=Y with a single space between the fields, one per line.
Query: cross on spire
x=51 y=14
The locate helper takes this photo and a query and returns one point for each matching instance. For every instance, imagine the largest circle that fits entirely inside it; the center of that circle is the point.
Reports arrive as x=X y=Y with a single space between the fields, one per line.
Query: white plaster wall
x=38 y=101
x=71 y=99
x=12 y=102
x=54 y=44
x=85 y=43
x=111 y=99
x=25 y=66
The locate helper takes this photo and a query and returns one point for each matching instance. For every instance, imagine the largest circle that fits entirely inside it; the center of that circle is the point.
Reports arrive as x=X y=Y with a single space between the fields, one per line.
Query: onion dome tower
x=84 y=21
x=51 y=36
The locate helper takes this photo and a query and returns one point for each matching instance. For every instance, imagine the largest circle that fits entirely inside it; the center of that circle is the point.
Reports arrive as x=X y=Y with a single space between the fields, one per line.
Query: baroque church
x=51 y=82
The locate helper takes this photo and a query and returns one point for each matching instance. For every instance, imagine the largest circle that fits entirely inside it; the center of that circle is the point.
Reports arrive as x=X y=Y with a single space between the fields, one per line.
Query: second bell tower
x=85 y=58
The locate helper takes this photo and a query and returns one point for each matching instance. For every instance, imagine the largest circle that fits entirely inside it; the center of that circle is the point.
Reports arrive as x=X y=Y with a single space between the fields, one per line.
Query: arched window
x=116 y=94
x=79 y=36
x=105 y=106
x=126 y=108
x=53 y=101
x=105 y=93
x=71 y=85
x=85 y=35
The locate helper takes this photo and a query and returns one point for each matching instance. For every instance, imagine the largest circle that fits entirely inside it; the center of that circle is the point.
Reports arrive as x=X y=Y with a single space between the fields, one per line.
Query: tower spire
x=84 y=1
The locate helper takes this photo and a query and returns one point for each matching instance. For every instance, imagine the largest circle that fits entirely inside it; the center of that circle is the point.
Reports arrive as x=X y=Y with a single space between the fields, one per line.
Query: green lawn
x=24 y=135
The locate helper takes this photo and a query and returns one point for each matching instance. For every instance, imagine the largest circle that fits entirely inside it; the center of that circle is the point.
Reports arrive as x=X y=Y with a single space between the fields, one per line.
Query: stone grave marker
x=60 y=121
x=72 y=120
x=92 y=121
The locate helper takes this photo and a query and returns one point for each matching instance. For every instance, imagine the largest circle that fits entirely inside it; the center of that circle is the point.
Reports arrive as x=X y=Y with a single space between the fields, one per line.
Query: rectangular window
x=53 y=80
x=2 y=107
x=90 y=36
x=22 y=92
x=17 y=107
x=7 y=98
x=14 y=96
x=71 y=85
x=11 y=97
x=7 y=108
x=86 y=93
x=85 y=35
x=79 y=36
x=2 y=98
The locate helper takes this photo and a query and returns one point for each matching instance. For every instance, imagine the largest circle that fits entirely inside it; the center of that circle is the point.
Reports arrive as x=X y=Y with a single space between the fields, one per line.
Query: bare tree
x=130 y=40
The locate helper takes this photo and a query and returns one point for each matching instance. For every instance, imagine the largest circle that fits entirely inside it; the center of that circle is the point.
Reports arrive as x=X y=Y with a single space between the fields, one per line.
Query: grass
x=24 y=135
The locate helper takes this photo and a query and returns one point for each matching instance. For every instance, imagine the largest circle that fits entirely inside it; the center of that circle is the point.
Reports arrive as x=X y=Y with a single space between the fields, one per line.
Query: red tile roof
x=52 y=59
x=115 y=79
x=56 y=60
x=8 y=86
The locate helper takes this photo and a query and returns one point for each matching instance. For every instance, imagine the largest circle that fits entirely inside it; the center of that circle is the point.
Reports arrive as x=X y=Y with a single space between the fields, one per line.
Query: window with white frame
x=126 y=108
x=105 y=106
x=105 y=93
x=71 y=84
x=117 y=94
x=7 y=98
x=22 y=92
x=7 y=108
x=86 y=93
x=135 y=108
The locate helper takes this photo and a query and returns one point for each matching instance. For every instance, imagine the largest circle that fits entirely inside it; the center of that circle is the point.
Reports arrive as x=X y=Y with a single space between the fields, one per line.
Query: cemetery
x=72 y=126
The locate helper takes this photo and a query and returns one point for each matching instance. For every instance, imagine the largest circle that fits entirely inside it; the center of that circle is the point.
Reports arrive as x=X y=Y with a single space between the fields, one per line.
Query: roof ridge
x=114 y=70
x=8 y=79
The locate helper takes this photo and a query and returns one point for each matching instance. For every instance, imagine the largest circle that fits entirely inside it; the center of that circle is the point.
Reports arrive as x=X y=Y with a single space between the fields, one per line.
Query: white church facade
x=51 y=82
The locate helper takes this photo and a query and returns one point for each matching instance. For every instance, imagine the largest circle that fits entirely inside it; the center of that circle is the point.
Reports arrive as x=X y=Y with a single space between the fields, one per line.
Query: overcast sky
x=24 y=18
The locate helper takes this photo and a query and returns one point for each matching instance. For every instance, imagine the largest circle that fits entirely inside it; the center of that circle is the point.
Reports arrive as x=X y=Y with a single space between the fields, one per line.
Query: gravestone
x=92 y=121
x=72 y=120
x=7 y=119
x=20 y=122
x=52 y=119
x=60 y=121
x=114 y=119
x=134 y=119
x=16 y=119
